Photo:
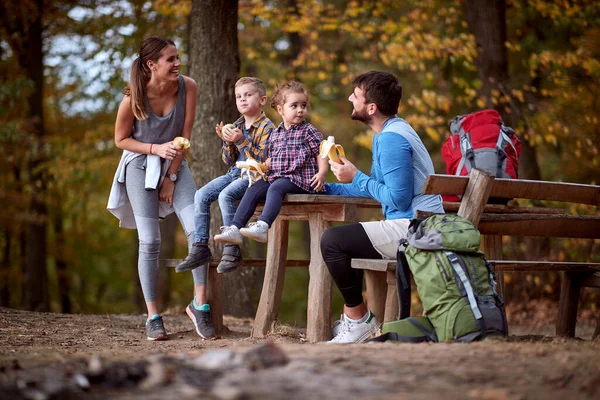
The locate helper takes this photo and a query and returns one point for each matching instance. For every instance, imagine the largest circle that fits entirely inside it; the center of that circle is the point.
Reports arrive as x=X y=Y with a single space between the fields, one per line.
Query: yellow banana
x=253 y=169
x=181 y=142
x=329 y=149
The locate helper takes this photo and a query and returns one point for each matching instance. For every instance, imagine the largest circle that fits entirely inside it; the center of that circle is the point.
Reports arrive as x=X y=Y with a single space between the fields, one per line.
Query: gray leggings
x=145 y=209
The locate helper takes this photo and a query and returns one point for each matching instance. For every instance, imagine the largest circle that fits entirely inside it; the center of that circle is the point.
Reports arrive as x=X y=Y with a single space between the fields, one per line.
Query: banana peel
x=181 y=142
x=329 y=149
x=254 y=169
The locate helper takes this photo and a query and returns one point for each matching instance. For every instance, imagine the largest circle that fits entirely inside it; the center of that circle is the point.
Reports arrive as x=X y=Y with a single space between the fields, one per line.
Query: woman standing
x=153 y=178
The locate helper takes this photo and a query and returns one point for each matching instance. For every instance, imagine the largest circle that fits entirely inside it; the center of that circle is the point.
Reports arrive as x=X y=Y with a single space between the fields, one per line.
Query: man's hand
x=343 y=172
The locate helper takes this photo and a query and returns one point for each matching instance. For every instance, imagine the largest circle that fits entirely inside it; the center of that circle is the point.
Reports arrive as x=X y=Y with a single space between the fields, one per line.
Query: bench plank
x=518 y=188
x=372 y=264
x=326 y=199
x=453 y=206
x=542 y=225
x=246 y=262
x=502 y=265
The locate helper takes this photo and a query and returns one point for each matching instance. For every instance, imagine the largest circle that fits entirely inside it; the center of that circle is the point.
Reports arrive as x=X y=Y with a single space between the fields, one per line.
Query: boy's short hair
x=257 y=83
x=381 y=88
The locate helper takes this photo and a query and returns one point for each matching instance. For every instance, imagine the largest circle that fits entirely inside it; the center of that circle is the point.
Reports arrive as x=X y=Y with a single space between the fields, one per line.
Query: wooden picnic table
x=320 y=211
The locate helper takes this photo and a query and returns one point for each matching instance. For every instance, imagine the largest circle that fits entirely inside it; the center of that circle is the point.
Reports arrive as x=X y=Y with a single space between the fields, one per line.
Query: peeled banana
x=329 y=149
x=254 y=169
x=181 y=142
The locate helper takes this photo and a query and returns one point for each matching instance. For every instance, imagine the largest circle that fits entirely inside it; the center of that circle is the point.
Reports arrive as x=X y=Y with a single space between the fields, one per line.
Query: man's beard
x=363 y=117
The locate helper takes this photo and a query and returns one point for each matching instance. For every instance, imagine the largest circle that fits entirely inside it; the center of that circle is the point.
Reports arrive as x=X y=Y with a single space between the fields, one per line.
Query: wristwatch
x=172 y=177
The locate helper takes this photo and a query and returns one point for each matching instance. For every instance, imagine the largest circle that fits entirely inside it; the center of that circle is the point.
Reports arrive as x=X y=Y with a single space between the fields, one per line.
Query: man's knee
x=329 y=243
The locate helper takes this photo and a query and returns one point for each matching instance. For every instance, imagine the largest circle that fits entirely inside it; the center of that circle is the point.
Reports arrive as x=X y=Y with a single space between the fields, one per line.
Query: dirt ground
x=66 y=356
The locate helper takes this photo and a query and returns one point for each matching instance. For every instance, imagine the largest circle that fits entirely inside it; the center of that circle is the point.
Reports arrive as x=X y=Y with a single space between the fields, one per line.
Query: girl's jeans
x=227 y=189
x=273 y=195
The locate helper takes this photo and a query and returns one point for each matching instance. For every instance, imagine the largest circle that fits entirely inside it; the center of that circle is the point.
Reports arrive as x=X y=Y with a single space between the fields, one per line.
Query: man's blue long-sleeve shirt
x=400 y=167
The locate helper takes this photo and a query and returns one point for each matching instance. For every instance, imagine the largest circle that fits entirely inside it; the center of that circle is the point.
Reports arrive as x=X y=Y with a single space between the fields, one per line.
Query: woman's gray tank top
x=155 y=129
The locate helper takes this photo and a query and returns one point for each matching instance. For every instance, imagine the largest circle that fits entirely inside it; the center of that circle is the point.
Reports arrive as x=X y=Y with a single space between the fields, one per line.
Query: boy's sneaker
x=356 y=332
x=231 y=258
x=258 y=231
x=201 y=319
x=199 y=255
x=229 y=234
x=155 y=329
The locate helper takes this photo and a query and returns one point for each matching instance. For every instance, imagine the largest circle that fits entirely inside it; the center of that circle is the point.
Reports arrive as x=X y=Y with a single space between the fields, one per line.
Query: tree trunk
x=215 y=65
x=62 y=272
x=487 y=22
x=30 y=56
x=168 y=231
x=5 y=270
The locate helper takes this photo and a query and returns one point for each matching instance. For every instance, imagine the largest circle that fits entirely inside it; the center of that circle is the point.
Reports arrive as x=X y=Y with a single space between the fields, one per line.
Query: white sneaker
x=229 y=234
x=356 y=332
x=258 y=231
x=338 y=326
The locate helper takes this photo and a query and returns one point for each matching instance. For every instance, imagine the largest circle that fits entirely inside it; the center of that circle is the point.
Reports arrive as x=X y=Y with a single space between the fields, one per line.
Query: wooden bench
x=495 y=221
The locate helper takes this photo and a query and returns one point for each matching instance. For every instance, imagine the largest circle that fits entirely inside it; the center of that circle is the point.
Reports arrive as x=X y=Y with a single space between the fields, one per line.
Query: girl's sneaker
x=258 y=231
x=229 y=234
x=155 y=329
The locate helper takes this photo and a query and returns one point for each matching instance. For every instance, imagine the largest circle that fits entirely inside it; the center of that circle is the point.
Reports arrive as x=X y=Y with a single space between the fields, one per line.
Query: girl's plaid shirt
x=294 y=154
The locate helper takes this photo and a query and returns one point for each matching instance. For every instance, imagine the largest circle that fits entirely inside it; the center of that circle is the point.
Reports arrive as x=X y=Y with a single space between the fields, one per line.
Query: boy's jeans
x=228 y=189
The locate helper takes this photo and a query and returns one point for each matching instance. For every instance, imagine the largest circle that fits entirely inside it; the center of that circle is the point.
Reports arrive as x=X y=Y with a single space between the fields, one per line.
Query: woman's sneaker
x=258 y=231
x=155 y=329
x=201 y=319
x=229 y=234
x=356 y=332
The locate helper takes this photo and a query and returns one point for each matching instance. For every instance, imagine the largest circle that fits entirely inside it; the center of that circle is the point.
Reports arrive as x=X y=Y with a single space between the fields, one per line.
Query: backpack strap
x=504 y=139
x=469 y=337
x=462 y=276
x=403 y=284
x=466 y=149
x=430 y=335
x=398 y=338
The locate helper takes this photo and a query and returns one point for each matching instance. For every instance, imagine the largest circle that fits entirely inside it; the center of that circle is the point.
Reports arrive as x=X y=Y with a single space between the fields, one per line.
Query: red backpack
x=481 y=140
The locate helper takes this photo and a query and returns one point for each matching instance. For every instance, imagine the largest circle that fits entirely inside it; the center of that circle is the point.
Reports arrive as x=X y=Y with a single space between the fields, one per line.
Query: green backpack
x=454 y=282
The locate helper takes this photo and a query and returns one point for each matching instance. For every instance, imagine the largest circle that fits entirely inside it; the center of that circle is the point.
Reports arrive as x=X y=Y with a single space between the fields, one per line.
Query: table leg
x=492 y=247
x=270 y=297
x=215 y=299
x=318 y=324
x=376 y=292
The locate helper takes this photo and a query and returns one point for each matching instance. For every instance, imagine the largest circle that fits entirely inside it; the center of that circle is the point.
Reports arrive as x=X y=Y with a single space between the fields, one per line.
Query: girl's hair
x=151 y=49
x=278 y=98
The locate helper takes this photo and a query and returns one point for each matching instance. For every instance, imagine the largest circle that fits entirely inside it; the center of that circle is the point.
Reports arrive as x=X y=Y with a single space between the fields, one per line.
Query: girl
x=153 y=177
x=294 y=167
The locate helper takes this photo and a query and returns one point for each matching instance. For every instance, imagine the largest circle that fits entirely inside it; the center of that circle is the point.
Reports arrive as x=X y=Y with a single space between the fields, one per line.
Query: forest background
x=63 y=65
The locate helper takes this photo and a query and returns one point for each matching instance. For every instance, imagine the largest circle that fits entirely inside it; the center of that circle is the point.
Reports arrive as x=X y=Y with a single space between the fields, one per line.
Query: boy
x=250 y=138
